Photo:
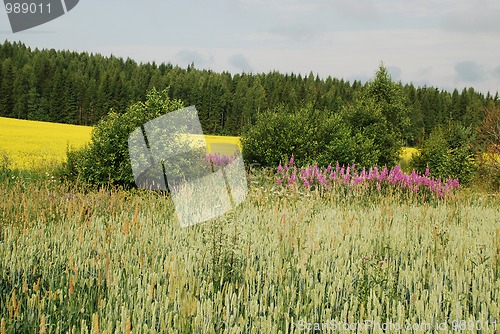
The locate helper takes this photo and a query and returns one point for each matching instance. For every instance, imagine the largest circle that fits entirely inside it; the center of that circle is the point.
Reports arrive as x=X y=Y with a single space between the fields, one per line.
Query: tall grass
x=113 y=261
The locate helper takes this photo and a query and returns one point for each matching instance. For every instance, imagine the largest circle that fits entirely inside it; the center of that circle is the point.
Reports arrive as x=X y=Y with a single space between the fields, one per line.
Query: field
x=32 y=144
x=114 y=261
x=375 y=258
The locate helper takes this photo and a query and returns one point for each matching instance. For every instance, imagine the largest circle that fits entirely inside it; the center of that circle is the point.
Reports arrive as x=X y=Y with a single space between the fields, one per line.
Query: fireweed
x=220 y=160
x=375 y=179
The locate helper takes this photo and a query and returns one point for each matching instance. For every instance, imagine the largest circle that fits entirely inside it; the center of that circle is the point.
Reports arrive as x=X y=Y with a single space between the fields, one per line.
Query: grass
x=115 y=261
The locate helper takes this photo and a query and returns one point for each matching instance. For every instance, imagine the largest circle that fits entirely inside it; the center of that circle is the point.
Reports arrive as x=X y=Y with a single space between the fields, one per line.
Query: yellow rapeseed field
x=32 y=144
x=226 y=145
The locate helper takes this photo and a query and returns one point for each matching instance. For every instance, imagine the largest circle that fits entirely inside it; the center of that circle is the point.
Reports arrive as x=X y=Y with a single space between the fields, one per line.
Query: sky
x=446 y=44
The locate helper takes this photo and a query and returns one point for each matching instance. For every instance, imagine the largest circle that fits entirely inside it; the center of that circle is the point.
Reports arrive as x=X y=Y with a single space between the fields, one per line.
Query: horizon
x=232 y=74
x=443 y=44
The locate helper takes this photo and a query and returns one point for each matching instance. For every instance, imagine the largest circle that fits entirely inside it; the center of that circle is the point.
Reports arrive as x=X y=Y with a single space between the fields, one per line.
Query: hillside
x=80 y=88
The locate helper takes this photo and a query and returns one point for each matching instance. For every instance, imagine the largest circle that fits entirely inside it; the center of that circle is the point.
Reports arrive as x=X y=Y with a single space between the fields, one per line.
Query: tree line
x=81 y=88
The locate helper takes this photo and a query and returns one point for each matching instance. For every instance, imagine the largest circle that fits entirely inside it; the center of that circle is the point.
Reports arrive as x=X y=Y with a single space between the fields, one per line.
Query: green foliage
x=310 y=135
x=106 y=159
x=80 y=88
x=364 y=132
x=367 y=120
x=276 y=135
x=392 y=101
x=489 y=146
x=448 y=154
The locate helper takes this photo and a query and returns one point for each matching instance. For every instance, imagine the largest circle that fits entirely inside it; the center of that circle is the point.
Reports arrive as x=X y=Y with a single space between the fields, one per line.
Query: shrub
x=106 y=159
x=489 y=142
x=448 y=154
x=367 y=119
x=367 y=131
x=310 y=135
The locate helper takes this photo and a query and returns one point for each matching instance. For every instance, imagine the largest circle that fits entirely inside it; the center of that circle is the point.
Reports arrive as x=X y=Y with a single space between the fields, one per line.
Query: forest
x=81 y=88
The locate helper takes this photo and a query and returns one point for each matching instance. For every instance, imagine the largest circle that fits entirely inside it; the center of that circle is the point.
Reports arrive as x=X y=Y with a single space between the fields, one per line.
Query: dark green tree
x=7 y=89
x=390 y=98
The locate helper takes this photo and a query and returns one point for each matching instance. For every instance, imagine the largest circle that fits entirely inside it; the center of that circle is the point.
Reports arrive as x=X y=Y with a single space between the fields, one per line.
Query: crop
x=33 y=144
x=117 y=261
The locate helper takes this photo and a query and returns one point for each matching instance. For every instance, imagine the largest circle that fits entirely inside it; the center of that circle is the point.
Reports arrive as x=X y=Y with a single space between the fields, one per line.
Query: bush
x=366 y=132
x=106 y=159
x=367 y=120
x=448 y=154
x=489 y=143
x=311 y=136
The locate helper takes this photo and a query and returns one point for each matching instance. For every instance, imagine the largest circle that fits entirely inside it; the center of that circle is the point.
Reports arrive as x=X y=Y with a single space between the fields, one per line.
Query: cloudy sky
x=442 y=43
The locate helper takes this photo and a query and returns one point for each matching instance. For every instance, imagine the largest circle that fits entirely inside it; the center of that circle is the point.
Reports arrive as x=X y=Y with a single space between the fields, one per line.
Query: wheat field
x=118 y=262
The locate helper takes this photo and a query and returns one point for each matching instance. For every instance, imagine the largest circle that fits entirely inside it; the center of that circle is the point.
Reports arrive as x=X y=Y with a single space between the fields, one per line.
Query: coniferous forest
x=81 y=88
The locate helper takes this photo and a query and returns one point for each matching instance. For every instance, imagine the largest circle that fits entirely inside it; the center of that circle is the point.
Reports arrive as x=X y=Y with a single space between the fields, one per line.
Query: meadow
x=310 y=250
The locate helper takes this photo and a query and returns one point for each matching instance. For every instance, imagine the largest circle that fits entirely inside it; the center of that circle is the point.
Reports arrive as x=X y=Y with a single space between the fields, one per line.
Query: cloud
x=358 y=9
x=298 y=32
x=469 y=71
x=395 y=72
x=484 y=18
x=240 y=62
x=496 y=72
x=283 y=34
x=190 y=56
